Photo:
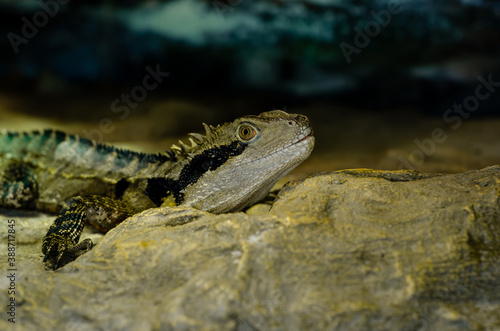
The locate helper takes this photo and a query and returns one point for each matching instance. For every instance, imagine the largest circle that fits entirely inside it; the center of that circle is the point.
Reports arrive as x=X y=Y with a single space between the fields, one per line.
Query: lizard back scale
x=232 y=166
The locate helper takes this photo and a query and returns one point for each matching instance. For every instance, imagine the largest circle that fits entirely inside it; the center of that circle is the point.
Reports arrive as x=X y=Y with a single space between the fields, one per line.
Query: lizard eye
x=246 y=132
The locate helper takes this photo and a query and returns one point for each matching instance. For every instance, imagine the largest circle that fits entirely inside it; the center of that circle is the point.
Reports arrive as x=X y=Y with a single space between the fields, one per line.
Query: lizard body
x=232 y=166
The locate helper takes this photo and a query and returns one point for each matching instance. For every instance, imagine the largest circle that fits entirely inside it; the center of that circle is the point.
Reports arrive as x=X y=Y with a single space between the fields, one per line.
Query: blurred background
x=386 y=84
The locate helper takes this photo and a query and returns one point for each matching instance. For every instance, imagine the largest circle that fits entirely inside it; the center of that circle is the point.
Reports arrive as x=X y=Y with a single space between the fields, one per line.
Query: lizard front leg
x=60 y=244
x=18 y=186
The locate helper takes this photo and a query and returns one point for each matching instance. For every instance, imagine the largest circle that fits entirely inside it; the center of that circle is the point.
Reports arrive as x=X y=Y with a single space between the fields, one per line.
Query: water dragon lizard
x=231 y=167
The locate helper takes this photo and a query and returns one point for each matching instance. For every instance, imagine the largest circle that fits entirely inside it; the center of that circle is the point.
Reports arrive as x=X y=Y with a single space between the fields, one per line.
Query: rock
x=357 y=249
x=333 y=49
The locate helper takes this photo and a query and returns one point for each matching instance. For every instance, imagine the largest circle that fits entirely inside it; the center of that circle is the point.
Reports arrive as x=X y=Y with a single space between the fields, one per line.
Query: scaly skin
x=229 y=168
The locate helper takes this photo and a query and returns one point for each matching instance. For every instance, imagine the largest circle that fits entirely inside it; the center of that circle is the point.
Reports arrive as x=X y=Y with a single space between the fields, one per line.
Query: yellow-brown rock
x=348 y=250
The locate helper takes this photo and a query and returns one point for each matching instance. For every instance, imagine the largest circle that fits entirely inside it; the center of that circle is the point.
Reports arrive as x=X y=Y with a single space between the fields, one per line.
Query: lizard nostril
x=302 y=119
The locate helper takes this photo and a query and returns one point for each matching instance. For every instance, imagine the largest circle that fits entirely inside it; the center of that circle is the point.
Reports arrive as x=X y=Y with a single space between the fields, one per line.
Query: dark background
x=64 y=63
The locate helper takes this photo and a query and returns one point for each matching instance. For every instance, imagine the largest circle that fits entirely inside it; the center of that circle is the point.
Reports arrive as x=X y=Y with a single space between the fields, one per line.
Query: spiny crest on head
x=195 y=139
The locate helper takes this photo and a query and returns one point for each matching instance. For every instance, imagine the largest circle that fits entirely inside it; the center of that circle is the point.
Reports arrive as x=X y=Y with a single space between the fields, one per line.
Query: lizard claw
x=60 y=250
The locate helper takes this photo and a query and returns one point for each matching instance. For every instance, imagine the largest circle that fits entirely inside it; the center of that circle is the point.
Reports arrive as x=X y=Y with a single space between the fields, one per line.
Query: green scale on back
x=231 y=167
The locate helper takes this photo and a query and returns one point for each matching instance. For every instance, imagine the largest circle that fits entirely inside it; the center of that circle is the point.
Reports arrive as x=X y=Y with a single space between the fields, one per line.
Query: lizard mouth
x=306 y=136
x=302 y=139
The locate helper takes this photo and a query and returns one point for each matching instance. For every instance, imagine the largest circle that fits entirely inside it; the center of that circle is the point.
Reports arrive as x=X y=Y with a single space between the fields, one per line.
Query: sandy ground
x=345 y=137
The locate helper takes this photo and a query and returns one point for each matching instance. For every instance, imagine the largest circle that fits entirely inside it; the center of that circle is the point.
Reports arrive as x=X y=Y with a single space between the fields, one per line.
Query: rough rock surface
x=348 y=250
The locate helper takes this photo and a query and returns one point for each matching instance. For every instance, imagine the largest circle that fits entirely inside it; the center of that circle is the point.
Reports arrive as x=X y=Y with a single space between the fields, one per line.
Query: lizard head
x=237 y=163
